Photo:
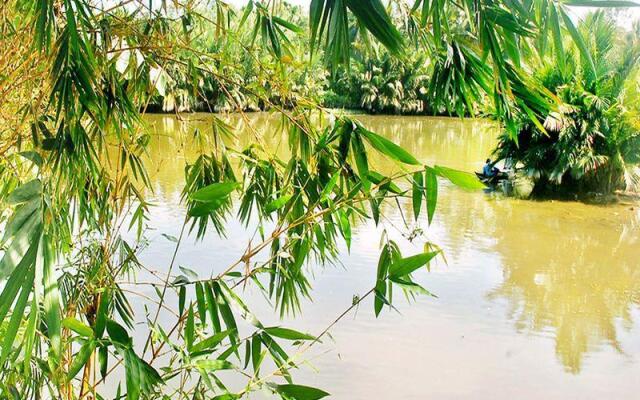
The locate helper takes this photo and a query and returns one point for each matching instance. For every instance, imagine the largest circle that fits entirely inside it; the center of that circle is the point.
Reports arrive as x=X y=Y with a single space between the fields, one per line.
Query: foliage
x=73 y=174
x=589 y=143
x=385 y=85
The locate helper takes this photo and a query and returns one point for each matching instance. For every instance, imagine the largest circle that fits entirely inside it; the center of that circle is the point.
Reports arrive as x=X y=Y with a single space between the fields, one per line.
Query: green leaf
x=25 y=192
x=102 y=314
x=245 y=313
x=461 y=179
x=289 y=334
x=170 y=237
x=345 y=227
x=16 y=317
x=431 y=183
x=204 y=209
x=140 y=376
x=373 y=16
x=381 y=286
x=213 y=365
x=579 y=41
x=226 y=396
x=277 y=203
x=117 y=333
x=387 y=147
x=81 y=358
x=286 y=24
x=51 y=300
x=378 y=178
x=30 y=333
x=103 y=360
x=201 y=303
x=25 y=230
x=182 y=296
x=360 y=155
x=256 y=357
x=190 y=274
x=211 y=342
x=411 y=287
x=417 y=190
x=299 y=392
x=247 y=11
x=405 y=266
x=212 y=307
x=24 y=218
x=189 y=329
x=215 y=191
x=557 y=37
x=78 y=327
x=326 y=192
x=225 y=312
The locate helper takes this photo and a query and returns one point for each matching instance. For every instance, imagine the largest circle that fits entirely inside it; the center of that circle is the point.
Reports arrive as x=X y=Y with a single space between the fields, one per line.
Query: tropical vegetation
x=76 y=78
x=591 y=142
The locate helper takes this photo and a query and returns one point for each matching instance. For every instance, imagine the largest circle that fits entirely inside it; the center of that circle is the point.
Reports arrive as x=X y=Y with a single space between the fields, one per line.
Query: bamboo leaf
x=256 y=356
x=210 y=342
x=81 y=358
x=405 y=266
x=201 y=303
x=417 y=191
x=103 y=360
x=51 y=298
x=277 y=203
x=411 y=287
x=299 y=392
x=17 y=315
x=117 y=333
x=78 y=327
x=25 y=192
x=388 y=148
x=326 y=191
x=289 y=334
x=212 y=307
x=214 y=192
x=461 y=179
x=189 y=329
x=431 y=183
x=214 y=365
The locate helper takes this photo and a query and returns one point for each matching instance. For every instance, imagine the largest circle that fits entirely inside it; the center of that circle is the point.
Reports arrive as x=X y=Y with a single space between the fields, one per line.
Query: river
x=537 y=300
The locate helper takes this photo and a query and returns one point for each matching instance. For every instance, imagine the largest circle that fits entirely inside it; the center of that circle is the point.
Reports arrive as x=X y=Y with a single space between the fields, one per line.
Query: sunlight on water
x=538 y=299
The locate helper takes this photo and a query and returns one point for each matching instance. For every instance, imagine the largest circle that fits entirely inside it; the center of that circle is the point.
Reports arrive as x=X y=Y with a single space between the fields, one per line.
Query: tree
x=589 y=143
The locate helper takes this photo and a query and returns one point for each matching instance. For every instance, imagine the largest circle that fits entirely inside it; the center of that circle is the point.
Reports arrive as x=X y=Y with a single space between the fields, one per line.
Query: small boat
x=491 y=181
x=516 y=184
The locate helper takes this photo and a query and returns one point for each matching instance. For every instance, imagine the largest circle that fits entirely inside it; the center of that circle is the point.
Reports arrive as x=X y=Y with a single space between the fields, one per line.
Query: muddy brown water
x=538 y=300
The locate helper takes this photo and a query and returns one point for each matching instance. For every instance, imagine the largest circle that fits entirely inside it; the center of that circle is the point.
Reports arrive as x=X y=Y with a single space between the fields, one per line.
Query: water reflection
x=558 y=273
x=571 y=269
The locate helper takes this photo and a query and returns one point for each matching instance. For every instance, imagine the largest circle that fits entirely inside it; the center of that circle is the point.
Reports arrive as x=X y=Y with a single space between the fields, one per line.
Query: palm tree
x=587 y=144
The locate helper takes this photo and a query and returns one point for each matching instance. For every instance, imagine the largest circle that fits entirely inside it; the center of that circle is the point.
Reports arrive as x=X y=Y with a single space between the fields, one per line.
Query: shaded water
x=538 y=299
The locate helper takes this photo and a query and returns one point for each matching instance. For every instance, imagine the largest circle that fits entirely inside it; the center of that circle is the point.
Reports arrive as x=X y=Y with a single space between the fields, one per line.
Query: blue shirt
x=487 y=170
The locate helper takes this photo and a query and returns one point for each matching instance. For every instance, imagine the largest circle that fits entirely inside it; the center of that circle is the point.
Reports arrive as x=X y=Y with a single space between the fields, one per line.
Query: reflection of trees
x=448 y=141
x=571 y=271
x=452 y=142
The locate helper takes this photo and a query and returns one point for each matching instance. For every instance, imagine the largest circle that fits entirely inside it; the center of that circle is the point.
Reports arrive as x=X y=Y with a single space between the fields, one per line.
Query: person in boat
x=489 y=170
